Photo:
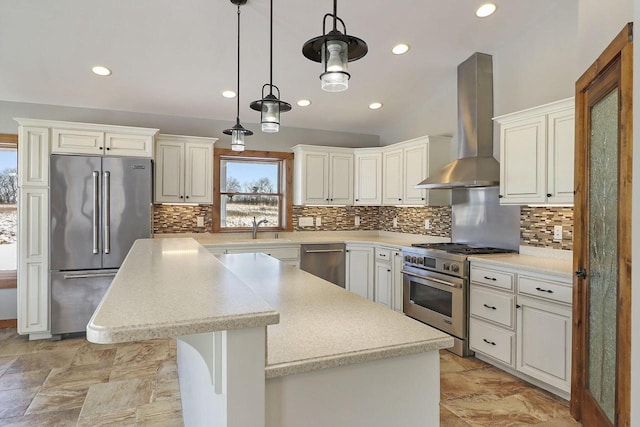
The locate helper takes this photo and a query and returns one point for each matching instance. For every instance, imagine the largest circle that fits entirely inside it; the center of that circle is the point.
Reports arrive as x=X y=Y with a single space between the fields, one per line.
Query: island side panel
x=401 y=391
x=221 y=375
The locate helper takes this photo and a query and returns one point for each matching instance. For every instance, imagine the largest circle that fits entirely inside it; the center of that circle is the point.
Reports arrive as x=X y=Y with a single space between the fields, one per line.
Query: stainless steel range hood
x=476 y=166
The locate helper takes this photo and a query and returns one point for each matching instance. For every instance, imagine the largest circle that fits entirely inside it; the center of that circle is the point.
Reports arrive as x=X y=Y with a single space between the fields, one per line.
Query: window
x=252 y=184
x=8 y=209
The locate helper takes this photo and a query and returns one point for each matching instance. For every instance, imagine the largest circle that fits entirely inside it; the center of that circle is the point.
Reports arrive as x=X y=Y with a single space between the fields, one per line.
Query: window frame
x=8 y=278
x=285 y=186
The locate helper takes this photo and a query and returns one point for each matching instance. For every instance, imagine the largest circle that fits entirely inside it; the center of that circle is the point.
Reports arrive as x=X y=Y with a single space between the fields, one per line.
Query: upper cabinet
x=406 y=164
x=184 y=169
x=79 y=138
x=322 y=175
x=536 y=152
x=368 y=176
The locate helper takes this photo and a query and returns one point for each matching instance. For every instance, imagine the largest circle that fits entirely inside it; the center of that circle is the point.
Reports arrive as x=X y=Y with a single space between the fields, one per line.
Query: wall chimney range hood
x=476 y=166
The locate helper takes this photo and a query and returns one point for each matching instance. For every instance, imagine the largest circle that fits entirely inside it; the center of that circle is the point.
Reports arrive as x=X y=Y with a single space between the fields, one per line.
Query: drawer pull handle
x=544 y=290
x=488 y=342
x=490 y=278
x=491 y=307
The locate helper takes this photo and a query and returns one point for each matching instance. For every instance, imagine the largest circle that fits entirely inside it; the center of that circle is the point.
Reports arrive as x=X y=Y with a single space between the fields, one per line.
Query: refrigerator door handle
x=87 y=276
x=107 y=212
x=96 y=209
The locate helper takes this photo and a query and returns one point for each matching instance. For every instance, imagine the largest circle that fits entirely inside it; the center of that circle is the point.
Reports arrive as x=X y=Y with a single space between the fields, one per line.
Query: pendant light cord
x=335 y=15
x=271 y=50
x=238 y=94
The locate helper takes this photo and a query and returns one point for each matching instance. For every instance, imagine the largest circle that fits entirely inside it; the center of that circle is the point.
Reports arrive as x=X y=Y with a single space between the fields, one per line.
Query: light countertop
x=323 y=325
x=556 y=266
x=172 y=287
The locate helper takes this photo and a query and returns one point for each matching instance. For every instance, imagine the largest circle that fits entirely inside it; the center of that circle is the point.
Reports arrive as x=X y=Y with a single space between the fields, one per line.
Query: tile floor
x=73 y=382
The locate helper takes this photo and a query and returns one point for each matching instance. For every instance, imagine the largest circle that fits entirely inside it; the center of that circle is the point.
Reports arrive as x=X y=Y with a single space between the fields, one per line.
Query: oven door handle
x=442 y=282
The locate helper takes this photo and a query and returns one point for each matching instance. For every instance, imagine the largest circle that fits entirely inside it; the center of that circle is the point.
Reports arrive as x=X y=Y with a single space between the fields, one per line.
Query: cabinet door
x=397 y=281
x=33 y=264
x=73 y=141
x=523 y=159
x=169 y=172
x=198 y=185
x=128 y=145
x=341 y=179
x=315 y=179
x=360 y=271
x=560 y=154
x=383 y=284
x=392 y=165
x=415 y=170
x=544 y=342
x=33 y=157
x=368 y=179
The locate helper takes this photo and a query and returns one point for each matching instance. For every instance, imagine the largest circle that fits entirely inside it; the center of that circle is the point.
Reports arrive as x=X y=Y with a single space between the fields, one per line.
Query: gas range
x=446 y=258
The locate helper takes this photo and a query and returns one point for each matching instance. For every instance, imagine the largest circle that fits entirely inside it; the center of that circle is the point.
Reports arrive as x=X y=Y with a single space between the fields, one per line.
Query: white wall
x=281 y=141
x=8 y=298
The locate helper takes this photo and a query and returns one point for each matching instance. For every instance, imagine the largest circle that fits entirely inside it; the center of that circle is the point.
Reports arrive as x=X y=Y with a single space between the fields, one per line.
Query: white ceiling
x=175 y=57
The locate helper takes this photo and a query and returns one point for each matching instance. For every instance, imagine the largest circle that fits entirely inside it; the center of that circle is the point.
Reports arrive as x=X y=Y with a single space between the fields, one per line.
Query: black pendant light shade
x=238 y=132
x=270 y=105
x=334 y=50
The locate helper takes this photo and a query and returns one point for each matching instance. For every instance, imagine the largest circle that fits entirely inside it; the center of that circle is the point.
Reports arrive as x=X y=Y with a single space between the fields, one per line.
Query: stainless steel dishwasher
x=325 y=260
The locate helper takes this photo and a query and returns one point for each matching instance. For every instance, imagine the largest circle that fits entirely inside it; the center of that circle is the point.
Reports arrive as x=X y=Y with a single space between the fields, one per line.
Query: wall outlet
x=395 y=222
x=427 y=224
x=305 y=221
x=318 y=221
x=356 y=221
x=557 y=232
x=200 y=221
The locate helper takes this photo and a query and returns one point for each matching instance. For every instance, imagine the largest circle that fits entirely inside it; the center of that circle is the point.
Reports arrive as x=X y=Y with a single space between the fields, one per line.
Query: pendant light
x=238 y=132
x=270 y=105
x=334 y=51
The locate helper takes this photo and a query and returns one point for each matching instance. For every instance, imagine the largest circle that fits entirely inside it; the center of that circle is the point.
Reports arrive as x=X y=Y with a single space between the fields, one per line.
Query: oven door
x=435 y=299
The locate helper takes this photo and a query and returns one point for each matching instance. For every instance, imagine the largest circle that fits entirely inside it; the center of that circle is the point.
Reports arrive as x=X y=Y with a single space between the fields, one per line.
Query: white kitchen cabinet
x=360 y=270
x=184 y=169
x=383 y=280
x=34 y=156
x=368 y=177
x=91 y=139
x=33 y=260
x=407 y=164
x=536 y=155
x=544 y=341
x=521 y=322
x=322 y=175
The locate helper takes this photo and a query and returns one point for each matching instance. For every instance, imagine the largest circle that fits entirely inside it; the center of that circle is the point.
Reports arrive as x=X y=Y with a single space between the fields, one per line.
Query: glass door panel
x=603 y=252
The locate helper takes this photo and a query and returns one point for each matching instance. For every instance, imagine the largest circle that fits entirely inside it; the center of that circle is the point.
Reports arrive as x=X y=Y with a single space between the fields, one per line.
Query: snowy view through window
x=249 y=189
x=8 y=208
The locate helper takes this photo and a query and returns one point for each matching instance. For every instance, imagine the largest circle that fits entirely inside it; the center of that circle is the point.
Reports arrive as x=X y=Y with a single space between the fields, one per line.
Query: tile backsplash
x=536 y=223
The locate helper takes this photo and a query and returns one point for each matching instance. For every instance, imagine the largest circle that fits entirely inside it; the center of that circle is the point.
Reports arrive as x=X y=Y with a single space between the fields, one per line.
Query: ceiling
x=176 y=57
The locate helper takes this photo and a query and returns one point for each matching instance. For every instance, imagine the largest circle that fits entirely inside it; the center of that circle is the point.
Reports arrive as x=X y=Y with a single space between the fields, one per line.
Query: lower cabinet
x=383 y=280
x=360 y=270
x=525 y=327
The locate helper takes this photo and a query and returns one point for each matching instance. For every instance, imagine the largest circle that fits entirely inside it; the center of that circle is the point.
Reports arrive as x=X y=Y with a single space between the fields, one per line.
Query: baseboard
x=8 y=323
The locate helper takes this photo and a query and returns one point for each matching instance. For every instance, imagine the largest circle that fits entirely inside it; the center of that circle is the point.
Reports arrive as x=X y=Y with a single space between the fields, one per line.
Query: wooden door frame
x=618 y=54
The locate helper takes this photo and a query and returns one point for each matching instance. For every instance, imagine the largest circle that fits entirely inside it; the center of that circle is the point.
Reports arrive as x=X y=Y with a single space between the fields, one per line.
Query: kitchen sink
x=256 y=241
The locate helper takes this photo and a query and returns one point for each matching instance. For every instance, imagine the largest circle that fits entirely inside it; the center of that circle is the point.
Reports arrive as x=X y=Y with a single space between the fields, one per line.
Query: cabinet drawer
x=383 y=254
x=495 y=278
x=492 y=341
x=280 y=253
x=553 y=291
x=491 y=305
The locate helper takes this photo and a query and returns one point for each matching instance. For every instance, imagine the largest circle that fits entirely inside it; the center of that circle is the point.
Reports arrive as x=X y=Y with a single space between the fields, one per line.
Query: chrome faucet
x=256 y=225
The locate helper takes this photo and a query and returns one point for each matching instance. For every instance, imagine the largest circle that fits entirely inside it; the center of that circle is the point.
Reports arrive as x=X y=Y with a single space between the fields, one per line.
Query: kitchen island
x=334 y=358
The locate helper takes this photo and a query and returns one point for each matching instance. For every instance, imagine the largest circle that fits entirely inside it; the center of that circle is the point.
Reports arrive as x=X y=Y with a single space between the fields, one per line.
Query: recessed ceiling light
x=375 y=105
x=100 y=70
x=304 y=103
x=485 y=10
x=400 y=48
x=229 y=94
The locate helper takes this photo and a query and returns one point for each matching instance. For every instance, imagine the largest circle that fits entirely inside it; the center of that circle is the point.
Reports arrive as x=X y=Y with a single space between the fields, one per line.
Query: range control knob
x=455 y=268
x=407 y=258
x=446 y=267
x=420 y=261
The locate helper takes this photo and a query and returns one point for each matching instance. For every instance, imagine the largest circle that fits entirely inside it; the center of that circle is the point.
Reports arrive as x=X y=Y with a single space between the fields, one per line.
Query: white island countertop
x=325 y=326
x=173 y=287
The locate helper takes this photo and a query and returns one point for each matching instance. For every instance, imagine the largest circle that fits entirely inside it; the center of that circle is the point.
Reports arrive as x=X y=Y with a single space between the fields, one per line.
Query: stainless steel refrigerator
x=99 y=207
